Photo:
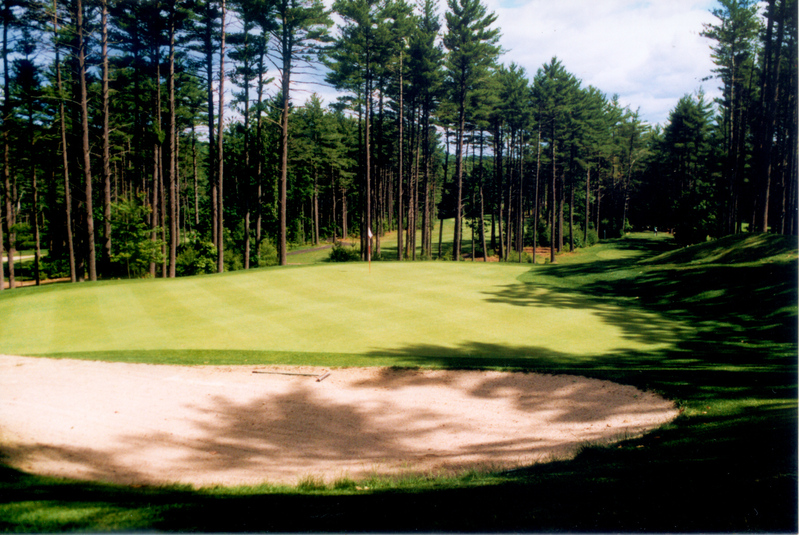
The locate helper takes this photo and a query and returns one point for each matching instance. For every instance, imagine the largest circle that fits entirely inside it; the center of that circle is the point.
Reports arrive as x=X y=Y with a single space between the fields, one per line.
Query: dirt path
x=147 y=424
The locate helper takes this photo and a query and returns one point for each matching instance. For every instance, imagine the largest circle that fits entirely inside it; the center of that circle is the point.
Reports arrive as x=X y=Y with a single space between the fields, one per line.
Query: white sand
x=205 y=425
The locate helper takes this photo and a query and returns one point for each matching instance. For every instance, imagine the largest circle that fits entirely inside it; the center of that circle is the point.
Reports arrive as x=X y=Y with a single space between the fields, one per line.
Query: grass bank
x=713 y=327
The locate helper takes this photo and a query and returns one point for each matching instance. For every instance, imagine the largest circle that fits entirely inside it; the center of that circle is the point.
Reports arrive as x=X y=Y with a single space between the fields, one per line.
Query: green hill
x=734 y=249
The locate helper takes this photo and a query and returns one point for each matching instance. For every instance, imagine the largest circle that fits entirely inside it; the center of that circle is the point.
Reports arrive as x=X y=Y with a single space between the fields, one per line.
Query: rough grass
x=729 y=463
x=735 y=249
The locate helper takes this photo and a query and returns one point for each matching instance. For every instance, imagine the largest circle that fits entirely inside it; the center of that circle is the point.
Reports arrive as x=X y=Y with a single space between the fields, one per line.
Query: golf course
x=710 y=329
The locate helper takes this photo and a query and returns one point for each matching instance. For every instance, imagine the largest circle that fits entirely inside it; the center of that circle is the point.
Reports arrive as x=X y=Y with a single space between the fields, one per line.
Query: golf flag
x=370 y=233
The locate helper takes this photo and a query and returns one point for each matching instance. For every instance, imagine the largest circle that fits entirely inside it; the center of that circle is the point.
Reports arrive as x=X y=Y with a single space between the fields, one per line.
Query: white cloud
x=650 y=53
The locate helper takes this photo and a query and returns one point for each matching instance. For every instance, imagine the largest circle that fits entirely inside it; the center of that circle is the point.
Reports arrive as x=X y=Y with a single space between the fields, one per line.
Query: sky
x=649 y=52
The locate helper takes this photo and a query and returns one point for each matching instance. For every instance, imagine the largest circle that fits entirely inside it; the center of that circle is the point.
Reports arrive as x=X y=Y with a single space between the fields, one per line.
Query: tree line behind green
x=141 y=140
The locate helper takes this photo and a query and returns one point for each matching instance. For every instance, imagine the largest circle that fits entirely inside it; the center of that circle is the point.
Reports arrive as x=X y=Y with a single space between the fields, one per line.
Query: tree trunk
x=535 y=203
x=426 y=249
x=482 y=226
x=368 y=166
x=509 y=199
x=209 y=81
x=106 y=143
x=259 y=143
x=561 y=203
x=587 y=205
x=440 y=235
x=86 y=154
x=400 y=175
x=157 y=198
x=64 y=154
x=286 y=51
x=344 y=234
x=571 y=216
x=770 y=100
x=456 y=245
x=9 y=200
x=220 y=247
x=171 y=147
x=194 y=176
x=247 y=186
x=37 y=256
x=315 y=208
x=520 y=231
x=498 y=174
x=553 y=202
x=163 y=206
x=415 y=203
x=598 y=203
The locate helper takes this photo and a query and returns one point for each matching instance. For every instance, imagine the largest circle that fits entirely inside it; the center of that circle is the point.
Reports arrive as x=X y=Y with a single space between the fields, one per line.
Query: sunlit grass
x=328 y=309
x=724 y=321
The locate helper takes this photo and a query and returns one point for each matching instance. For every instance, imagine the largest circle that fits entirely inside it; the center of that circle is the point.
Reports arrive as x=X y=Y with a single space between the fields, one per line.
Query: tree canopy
x=124 y=157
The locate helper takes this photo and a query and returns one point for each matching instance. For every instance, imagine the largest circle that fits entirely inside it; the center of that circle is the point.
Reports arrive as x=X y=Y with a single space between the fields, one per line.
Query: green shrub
x=234 y=260
x=593 y=238
x=545 y=235
x=628 y=227
x=544 y=230
x=24 y=239
x=446 y=252
x=133 y=249
x=513 y=258
x=344 y=253
x=267 y=254
x=54 y=268
x=195 y=257
x=578 y=236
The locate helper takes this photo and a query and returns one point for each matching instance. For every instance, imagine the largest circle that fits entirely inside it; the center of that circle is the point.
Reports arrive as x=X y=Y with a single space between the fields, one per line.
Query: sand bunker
x=147 y=424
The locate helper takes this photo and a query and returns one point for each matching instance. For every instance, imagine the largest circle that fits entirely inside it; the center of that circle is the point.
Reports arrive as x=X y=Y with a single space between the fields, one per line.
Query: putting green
x=335 y=308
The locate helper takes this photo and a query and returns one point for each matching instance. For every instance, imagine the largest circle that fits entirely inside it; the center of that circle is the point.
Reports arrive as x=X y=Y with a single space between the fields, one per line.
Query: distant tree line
x=123 y=158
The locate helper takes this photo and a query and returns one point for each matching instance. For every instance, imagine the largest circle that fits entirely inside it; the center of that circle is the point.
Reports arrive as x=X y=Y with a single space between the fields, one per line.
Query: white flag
x=370 y=233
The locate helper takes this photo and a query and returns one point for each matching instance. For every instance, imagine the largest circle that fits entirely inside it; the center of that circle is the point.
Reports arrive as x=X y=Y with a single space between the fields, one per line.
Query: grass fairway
x=713 y=327
x=397 y=314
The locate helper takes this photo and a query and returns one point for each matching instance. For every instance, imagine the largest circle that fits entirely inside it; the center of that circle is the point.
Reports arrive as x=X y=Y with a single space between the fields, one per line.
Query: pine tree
x=353 y=63
x=302 y=28
x=733 y=53
x=554 y=93
x=472 y=51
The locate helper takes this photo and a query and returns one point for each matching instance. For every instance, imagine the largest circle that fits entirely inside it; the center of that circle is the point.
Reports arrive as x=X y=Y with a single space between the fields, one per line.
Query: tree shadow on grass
x=635 y=323
x=759 y=299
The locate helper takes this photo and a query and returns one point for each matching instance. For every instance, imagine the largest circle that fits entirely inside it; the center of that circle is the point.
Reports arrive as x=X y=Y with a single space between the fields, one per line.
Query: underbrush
x=344 y=253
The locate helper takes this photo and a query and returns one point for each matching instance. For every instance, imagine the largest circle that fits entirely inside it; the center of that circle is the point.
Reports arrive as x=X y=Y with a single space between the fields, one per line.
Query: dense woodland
x=139 y=139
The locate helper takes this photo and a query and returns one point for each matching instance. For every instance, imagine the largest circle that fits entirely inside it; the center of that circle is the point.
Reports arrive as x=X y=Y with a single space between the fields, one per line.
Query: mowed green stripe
x=336 y=308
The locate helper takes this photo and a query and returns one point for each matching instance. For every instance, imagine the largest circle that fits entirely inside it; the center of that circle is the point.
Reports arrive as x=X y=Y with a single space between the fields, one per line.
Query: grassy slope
x=728 y=463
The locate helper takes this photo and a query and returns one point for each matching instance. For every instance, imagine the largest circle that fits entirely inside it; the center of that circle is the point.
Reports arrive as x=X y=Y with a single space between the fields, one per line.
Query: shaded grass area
x=728 y=463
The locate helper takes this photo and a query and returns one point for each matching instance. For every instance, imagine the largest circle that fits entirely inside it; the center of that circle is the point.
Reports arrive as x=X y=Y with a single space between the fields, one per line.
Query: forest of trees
x=122 y=156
